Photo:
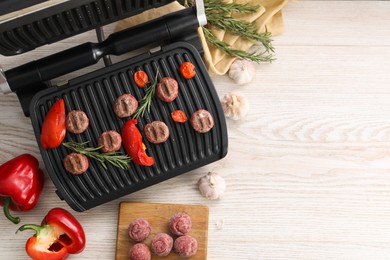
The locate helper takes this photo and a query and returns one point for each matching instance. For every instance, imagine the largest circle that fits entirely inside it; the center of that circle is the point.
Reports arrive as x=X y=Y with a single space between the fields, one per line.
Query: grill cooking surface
x=95 y=94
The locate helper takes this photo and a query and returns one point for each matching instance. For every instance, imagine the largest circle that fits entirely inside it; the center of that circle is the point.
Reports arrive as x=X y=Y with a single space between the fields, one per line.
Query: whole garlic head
x=235 y=105
x=242 y=71
x=212 y=186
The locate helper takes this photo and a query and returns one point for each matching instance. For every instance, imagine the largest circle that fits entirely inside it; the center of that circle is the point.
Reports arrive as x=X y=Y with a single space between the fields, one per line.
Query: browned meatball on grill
x=125 y=105
x=156 y=132
x=180 y=224
x=161 y=244
x=186 y=246
x=202 y=121
x=76 y=163
x=76 y=121
x=110 y=141
x=139 y=229
x=139 y=252
x=167 y=89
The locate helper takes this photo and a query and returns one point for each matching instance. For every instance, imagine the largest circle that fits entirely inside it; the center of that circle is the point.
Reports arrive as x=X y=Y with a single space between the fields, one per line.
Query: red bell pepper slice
x=59 y=235
x=21 y=183
x=132 y=141
x=179 y=116
x=54 y=126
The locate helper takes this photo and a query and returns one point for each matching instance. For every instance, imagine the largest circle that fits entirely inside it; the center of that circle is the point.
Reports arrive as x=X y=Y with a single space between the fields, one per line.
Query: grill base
x=95 y=94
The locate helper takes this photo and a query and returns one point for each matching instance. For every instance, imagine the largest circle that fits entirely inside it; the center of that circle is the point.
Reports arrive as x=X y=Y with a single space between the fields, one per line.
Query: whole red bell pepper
x=59 y=235
x=21 y=183
x=54 y=126
x=132 y=141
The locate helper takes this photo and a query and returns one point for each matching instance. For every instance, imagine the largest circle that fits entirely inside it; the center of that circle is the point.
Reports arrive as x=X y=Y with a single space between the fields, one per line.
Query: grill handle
x=32 y=75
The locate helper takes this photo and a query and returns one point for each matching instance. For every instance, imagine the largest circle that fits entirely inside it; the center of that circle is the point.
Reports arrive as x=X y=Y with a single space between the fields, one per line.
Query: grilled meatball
x=167 y=89
x=202 y=121
x=76 y=163
x=156 y=132
x=125 y=105
x=180 y=224
x=162 y=244
x=110 y=140
x=186 y=246
x=139 y=252
x=76 y=121
x=139 y=229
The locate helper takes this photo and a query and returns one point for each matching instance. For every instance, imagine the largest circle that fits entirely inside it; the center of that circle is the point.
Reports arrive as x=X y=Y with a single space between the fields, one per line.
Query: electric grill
x=95 y=93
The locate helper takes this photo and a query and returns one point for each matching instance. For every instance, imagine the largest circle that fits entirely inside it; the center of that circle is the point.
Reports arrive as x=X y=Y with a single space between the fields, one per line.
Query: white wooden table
x=308 y=171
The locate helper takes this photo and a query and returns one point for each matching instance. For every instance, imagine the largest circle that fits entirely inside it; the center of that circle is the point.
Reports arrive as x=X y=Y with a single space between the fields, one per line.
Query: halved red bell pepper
x=54 y=126
x=21 y=183
x=132 y=141
x=59 y=235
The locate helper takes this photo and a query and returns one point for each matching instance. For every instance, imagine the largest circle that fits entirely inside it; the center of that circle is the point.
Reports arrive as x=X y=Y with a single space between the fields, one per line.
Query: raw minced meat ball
x=162 y=244
x=186 y=246
x=180 y=224
x=139 y=252
x=139 y=229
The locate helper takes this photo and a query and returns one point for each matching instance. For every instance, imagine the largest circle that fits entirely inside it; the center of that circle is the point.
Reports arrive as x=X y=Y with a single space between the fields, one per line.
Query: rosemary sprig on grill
x=146 y=101
x=117 y=159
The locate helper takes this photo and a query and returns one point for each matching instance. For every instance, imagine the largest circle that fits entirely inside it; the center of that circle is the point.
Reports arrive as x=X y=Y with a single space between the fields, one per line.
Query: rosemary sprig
x=241 y=28
x=117 y=159
x=225 y=8
x=253 y=56
x=146 y=101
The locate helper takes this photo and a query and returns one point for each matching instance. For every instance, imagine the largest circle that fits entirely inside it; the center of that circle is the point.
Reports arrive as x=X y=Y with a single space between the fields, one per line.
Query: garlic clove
x=212 y=186
x=242 y=71
x=235 y=105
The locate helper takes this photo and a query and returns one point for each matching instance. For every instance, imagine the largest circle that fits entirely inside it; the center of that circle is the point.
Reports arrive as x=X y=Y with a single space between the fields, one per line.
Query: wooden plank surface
x=307 y=172
x=158 y=215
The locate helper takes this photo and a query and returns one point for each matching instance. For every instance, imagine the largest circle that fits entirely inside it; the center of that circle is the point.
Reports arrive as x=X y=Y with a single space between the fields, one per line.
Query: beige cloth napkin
x=267 y=19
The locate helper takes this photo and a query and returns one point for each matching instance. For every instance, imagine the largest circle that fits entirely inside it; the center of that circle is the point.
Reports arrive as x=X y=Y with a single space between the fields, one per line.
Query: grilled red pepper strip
x=59 y=235
x=54 y=126
x=132 y=141
x=21 y=183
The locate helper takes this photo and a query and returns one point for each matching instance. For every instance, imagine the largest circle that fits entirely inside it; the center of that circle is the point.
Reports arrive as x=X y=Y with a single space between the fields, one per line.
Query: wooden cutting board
x=158 y=216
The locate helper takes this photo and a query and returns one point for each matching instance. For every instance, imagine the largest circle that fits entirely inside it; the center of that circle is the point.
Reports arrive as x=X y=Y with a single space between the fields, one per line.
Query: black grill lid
x=23 y=33
x=95 y=93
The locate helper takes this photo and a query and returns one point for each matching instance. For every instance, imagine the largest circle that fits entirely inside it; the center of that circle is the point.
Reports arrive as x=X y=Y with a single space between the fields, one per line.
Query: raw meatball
x=76 y=163
x=202 y=121
x=76 y=121
x=125 y=105
x=186 y=246
x=139 y=229
x=180 y=224
x=139 y=252
x=156 y=132
x=111 y=141
x=167 y=89
x=162 y=244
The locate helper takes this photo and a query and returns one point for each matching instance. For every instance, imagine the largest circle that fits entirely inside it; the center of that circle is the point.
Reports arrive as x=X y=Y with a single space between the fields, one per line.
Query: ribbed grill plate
x=95 y=94
x=65 y=20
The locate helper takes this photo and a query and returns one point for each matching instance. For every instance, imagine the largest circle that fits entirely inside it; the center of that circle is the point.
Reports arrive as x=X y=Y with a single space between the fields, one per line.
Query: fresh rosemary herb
x=225 y=8
x=253 y=56
x=241 y=28
x=217 y=13
x=146 y=101
x=117 y=159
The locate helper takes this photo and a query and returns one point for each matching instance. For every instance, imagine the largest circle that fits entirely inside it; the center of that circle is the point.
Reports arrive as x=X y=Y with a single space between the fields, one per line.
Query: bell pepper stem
x=7 y=202
x=34 y=227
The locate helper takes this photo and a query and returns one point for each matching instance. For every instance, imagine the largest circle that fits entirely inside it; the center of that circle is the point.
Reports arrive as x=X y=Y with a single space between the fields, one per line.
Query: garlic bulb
x=242 y=71
x=212 y=186
x=235 y=105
